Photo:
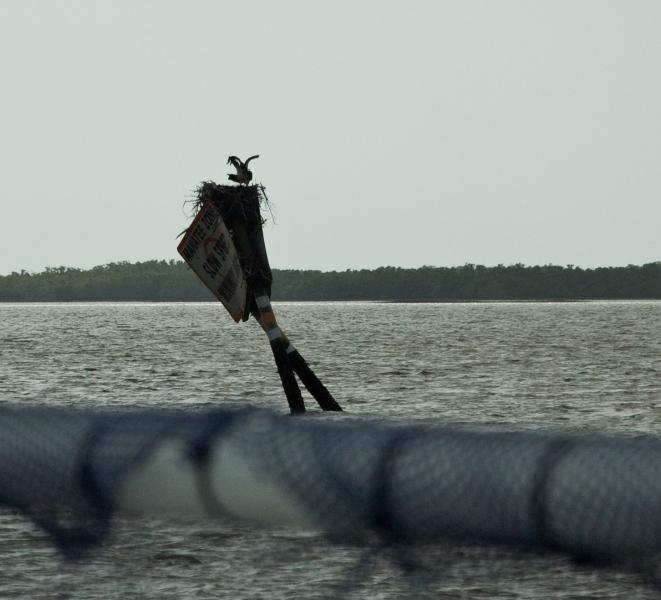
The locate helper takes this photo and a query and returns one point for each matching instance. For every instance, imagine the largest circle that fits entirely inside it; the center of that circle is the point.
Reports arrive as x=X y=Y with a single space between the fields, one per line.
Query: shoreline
x=347 y=301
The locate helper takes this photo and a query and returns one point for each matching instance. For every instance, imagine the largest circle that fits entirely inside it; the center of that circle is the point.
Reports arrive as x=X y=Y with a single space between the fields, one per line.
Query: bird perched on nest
x=243 y=173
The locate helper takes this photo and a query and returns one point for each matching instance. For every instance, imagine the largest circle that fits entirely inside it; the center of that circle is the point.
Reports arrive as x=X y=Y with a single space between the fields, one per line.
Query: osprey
x=243 y=173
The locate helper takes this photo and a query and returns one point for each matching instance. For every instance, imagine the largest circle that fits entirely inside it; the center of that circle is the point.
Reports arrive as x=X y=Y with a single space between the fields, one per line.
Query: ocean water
x=571 y=366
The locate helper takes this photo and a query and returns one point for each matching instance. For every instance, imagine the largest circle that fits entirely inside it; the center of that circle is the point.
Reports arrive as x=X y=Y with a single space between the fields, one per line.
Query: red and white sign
x=208 y=249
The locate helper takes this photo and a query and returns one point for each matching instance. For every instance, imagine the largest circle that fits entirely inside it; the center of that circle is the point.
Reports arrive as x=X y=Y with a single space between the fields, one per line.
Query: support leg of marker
x=289 y=383
x=295 y=363
x=279 y=344
x=311 y=381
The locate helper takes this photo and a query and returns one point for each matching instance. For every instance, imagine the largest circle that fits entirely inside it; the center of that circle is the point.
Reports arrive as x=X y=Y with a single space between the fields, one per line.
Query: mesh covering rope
x=595 y=497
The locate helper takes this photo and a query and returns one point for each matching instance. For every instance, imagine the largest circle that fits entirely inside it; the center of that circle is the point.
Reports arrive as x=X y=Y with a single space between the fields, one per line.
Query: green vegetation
x=150 y=281
x=173 y=281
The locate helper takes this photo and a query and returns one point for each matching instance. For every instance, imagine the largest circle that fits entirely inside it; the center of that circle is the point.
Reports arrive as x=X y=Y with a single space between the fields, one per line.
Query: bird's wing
x=248 y=160
x=235 y=161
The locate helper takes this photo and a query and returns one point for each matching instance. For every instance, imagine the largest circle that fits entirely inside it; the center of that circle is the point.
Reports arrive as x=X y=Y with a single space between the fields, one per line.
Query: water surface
x=577 y=366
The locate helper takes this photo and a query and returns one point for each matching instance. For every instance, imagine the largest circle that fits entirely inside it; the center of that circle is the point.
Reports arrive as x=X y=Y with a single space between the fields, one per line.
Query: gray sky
x=390 y=133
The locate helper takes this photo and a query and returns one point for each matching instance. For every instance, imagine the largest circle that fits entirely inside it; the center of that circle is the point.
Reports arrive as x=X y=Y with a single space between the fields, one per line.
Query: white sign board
x=209 y=250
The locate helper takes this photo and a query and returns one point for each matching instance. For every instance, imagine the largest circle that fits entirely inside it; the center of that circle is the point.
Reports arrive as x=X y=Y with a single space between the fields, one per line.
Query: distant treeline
x=173 y=281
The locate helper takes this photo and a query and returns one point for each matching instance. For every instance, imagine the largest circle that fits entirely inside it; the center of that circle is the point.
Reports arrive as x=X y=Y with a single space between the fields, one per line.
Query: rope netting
x=595 y=497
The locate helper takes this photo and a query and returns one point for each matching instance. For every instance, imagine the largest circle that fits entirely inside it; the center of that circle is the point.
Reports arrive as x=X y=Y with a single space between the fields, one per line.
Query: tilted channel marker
x=224 y=246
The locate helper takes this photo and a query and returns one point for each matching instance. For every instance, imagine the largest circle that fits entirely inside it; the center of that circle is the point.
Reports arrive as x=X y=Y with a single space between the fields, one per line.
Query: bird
x=243 y=173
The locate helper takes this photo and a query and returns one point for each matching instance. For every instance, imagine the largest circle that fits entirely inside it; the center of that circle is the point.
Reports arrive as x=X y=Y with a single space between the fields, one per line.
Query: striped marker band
x=268 y=324
x=274 y=333
x=267 y=317
x=263 y=302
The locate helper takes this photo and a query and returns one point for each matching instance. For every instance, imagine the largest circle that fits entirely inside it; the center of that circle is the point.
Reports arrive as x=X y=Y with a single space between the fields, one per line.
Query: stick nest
x=231 y=200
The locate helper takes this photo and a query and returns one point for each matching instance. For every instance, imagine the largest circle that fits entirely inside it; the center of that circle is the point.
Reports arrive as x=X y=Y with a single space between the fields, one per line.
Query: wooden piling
x=240 y=210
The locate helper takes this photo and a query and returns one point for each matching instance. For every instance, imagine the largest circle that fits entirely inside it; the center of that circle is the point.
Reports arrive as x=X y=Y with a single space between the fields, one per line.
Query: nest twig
x=228 y=198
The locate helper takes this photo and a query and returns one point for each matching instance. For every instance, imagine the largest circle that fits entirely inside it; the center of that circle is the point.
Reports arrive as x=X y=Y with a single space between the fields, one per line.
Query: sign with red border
x=208 y=249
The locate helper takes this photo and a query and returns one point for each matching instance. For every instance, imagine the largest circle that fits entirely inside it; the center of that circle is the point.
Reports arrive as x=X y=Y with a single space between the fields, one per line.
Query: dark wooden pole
x=295 y=362
x=239 y=206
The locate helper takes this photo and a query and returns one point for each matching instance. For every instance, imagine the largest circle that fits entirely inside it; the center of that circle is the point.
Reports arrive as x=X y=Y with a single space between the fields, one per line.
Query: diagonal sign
x=208 y=249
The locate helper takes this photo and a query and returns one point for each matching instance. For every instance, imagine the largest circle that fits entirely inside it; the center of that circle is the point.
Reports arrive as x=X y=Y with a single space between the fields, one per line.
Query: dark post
x=240 y=210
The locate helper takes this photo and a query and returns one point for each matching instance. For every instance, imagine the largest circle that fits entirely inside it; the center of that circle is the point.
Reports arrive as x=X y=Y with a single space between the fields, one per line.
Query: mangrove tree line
x=172 y=281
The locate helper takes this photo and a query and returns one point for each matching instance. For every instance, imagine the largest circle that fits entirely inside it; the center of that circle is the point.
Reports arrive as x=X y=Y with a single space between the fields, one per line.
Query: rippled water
x=593 y=365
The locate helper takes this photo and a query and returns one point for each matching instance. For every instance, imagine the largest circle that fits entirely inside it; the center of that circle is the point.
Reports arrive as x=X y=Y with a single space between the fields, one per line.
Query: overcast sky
x=403 y=133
